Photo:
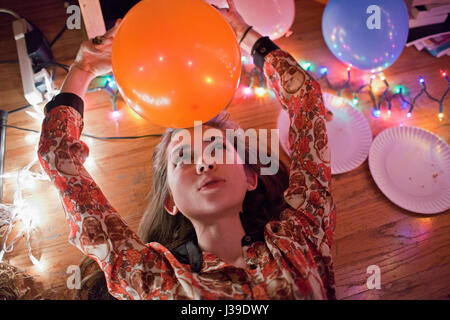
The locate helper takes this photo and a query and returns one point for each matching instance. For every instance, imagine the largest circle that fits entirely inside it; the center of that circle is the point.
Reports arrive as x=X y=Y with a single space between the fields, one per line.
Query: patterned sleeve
x=308 y=194
x=130 y=266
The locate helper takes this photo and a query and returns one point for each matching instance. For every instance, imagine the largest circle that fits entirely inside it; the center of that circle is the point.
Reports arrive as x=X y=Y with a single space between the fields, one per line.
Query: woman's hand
x=234 y=19
x=92 y=60
x=239 y=27
x=95 y=59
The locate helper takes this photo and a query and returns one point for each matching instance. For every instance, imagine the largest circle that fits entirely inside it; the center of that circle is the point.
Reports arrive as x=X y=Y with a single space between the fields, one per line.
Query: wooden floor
x=412 y=250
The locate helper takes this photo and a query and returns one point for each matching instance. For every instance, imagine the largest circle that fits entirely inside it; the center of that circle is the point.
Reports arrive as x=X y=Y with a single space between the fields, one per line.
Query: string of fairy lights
x=389 y=94
x=21 y=210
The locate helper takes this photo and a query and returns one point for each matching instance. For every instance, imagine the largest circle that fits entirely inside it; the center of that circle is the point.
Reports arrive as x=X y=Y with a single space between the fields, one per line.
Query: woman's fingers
x=103 y=47
x=111 y=33
x=231 y=5
x=108 y=37
x=221 y=10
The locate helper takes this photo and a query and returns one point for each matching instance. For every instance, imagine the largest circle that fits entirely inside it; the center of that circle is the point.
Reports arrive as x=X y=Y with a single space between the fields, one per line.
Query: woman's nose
x=204 y=167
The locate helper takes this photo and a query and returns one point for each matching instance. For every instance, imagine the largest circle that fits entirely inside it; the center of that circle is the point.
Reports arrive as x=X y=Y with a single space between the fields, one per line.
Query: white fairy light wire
x=20 y=209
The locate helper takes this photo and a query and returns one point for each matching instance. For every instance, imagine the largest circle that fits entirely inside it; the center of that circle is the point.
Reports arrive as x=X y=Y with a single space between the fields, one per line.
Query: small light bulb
x=29 y=183
x=324 y=70
x=247 y=90
x=337 y=101
x=30 y=216
x=441 y=115
x=111 y=83
x=38 y=264
x=31 y=138
x=89 y=162
x=305 y=65
x=260 y=91
x=409 y=115
x=116 y=114
x=389 y=112
x=421 y=80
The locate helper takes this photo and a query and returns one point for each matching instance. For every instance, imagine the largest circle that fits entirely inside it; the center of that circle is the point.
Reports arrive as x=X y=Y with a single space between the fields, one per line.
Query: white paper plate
x=349 y=134
x=411 y=166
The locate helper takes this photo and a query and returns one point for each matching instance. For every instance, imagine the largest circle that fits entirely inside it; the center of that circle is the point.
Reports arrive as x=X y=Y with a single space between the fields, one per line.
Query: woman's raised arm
x=310 y=170
x=132 y=268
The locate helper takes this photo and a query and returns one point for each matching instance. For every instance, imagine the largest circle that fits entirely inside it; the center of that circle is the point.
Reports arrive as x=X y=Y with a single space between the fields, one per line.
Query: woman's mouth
x=211 y=185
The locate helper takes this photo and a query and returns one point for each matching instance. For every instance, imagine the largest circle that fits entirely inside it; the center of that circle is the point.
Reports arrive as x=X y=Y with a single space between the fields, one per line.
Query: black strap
x=261 y=49
x=195 y=256
x=245 y=33
x=66 y=99
x=189 y=253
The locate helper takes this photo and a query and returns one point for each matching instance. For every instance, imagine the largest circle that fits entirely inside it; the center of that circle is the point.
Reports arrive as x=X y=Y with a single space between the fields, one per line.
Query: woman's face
x=214 y=159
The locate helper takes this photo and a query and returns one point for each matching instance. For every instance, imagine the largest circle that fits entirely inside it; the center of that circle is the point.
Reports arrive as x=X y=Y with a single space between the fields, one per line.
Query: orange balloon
x=176 y=62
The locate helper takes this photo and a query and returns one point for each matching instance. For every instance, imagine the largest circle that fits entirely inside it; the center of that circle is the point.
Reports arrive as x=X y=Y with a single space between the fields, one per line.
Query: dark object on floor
x=12 y=283
x=112 y=9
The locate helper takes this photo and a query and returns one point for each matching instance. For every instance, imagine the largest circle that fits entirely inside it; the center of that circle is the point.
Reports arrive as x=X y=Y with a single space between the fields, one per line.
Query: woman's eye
x=221 y=145
x=218 y=146
x=183 y=155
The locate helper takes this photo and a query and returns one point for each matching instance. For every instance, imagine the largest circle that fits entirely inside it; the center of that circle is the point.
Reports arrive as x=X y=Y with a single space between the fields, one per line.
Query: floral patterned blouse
x=291 y=260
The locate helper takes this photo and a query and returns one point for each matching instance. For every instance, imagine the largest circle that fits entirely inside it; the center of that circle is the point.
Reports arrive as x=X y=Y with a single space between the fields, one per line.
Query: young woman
x=212 y=230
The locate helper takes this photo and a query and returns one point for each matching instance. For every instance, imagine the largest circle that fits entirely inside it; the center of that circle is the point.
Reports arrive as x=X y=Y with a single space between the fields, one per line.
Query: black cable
x=57 y=64
x=122 y=138
x=8 y=61
x=51 y=63
x=58 y=35
x=20 y=109
x=94 y=137
x=53 y=74
x=18 y=128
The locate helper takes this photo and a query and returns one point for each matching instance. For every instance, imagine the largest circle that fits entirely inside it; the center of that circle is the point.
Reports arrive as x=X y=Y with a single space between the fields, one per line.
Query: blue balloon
x=369 y=34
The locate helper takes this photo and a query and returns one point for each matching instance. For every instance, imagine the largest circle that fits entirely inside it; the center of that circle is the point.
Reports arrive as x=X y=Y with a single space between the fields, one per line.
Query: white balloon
x=271 y=18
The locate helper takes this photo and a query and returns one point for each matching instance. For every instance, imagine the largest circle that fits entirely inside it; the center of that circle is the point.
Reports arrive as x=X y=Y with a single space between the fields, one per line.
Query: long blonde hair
x=260 y=206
